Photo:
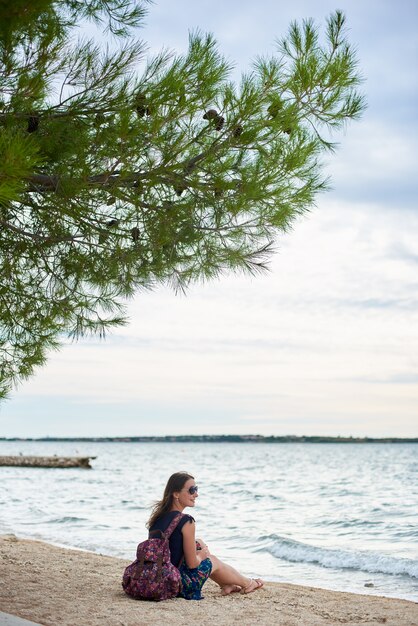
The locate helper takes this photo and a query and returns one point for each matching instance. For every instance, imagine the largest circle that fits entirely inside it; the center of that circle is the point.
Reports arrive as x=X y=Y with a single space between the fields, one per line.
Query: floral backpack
x=152 y=576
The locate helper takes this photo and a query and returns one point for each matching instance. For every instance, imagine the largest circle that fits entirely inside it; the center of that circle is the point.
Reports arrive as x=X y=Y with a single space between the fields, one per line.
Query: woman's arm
x=189 y=546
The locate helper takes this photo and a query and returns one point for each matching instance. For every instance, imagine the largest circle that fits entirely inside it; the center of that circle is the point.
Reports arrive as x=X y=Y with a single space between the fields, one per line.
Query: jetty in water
x=61 y=462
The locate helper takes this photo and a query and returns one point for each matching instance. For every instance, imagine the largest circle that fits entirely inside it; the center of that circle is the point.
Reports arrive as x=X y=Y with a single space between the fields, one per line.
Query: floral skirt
x=192 y=580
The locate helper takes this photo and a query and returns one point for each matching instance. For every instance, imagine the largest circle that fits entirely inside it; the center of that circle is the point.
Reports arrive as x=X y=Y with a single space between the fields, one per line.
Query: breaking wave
x=365 y=561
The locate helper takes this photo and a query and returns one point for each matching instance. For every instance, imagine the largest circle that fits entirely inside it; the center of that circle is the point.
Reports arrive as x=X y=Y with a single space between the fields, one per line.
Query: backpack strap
x=173 y=525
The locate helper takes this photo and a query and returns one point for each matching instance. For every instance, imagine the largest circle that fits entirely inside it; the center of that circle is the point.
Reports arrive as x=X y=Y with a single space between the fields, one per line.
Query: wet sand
x=57 y=586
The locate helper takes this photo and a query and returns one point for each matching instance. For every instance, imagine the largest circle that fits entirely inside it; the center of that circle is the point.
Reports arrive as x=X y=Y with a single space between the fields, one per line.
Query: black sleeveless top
x=176 y=539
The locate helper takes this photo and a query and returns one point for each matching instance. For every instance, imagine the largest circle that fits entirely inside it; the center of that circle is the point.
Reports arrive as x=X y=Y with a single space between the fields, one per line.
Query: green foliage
x=119 y=173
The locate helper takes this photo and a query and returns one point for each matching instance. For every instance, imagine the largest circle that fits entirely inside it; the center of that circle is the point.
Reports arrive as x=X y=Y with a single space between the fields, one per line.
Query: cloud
x=403 y=252
x=384 y=176
x=323 y=344
x=405 y=378
x=284 y=346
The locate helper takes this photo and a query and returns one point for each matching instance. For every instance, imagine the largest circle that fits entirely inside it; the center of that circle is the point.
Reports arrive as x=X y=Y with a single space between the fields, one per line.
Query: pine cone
x=212 y=114
x=179 y=188
x=33 y=123
x=237 y=131
x=135 y=233
x=141 y=108
x=99 y=119
x=220 y=121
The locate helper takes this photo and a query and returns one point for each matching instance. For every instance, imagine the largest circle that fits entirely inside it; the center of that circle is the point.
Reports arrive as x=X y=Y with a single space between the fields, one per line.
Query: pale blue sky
x=327 y=342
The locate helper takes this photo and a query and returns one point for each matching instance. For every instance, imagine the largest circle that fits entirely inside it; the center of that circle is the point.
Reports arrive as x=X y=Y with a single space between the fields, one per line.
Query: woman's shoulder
x=162 y=522
x=183 y=521
x=184 y=518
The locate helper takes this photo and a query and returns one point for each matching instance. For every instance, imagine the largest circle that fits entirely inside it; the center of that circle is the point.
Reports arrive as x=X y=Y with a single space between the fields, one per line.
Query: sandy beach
x=53 y=585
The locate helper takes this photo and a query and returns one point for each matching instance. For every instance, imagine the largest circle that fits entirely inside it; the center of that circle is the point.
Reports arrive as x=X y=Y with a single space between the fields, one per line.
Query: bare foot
x=227 y=589
x=255 y=583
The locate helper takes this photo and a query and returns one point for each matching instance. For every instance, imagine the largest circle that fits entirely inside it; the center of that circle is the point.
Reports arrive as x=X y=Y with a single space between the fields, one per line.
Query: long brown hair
x=175 y=483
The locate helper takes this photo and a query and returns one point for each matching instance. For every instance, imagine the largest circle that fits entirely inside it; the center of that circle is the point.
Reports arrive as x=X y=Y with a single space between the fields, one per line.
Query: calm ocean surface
x=336 y=516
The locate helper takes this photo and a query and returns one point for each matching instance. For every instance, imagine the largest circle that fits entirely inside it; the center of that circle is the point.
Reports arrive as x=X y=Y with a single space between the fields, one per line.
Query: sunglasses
x=193 y=490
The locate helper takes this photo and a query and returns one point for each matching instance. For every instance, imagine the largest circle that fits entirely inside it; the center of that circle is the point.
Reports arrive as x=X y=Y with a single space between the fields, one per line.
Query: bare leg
x=226 y=589
x=229 y=578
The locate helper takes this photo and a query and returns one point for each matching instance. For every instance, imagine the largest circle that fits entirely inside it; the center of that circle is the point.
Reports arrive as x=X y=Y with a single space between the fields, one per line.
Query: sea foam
x=365 y=561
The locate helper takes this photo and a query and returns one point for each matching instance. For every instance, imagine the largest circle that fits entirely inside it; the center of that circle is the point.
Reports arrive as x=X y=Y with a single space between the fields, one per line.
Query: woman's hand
x=203 y=553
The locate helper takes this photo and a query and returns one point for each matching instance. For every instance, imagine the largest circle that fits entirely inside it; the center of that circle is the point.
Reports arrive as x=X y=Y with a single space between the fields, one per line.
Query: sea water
x=336 y=516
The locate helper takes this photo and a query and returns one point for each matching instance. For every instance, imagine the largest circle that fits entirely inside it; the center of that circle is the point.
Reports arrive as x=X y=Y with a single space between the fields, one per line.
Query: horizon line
x=242 y=437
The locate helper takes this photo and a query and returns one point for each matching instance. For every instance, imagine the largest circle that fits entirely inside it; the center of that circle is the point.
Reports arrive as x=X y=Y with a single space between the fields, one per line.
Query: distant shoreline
x=219 y=439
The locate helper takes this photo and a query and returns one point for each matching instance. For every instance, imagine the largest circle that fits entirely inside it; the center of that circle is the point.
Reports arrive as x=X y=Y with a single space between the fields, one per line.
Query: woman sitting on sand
x=192 y=557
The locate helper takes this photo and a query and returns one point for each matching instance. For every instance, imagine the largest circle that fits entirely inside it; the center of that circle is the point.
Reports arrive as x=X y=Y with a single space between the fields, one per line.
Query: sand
x=57 y=586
